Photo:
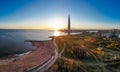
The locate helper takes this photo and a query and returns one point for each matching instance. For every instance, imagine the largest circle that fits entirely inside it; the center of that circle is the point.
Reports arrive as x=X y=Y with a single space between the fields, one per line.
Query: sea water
x=12 y=41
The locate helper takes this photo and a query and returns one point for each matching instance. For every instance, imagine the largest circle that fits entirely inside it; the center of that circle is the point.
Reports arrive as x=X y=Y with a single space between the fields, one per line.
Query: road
x=48 y=63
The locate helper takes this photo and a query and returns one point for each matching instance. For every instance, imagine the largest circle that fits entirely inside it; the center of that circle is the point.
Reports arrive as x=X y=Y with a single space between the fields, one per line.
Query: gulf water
x=12 y=41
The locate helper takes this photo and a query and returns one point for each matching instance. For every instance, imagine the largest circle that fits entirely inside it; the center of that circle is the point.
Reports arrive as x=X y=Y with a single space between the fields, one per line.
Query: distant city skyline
x=40 y=14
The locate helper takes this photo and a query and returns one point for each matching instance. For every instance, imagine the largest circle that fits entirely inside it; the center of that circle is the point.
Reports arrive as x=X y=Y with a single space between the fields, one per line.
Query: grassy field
x=83 y=53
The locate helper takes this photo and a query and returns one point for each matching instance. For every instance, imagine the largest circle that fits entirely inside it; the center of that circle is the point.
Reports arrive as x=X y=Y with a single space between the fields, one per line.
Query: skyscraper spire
x=69 y=30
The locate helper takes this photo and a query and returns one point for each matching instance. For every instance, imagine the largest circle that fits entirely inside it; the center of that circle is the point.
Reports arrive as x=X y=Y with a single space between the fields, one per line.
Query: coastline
x=22 y=54
x=15 y=55
x=28 y=60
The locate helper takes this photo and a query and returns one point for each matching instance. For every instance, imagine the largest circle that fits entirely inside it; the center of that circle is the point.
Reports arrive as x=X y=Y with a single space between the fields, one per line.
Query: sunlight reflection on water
x=56 y=33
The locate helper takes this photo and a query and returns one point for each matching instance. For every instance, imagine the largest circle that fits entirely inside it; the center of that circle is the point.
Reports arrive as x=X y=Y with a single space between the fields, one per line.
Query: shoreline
x=15 y=55
x=25 y=61
x=22 y=54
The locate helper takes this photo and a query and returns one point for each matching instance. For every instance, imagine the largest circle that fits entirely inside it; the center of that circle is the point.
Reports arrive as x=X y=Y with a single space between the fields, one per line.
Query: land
x=75 y=53
x=38 y=56
x=87 y=53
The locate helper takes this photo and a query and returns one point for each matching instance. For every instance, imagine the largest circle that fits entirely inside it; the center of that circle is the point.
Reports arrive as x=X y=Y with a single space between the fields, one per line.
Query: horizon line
x=54 y=29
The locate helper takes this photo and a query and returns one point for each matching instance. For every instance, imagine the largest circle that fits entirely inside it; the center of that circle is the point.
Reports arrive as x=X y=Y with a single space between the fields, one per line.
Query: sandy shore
x=22 y=63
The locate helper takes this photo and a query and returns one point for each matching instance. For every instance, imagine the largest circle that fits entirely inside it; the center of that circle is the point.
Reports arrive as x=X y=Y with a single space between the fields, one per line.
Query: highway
x=48 y=63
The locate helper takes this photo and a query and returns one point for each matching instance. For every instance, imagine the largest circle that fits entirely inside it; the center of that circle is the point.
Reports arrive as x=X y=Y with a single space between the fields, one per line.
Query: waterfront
x=12 y=41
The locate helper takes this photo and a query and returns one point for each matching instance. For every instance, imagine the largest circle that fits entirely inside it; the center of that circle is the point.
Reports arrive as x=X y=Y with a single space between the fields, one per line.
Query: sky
x=41 y=14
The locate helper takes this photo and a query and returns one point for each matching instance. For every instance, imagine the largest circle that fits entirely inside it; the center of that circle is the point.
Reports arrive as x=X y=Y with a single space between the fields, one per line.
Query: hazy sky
x=40 y=14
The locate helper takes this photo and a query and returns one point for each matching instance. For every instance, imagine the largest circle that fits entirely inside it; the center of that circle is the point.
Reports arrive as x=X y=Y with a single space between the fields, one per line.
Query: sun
x=57 y=23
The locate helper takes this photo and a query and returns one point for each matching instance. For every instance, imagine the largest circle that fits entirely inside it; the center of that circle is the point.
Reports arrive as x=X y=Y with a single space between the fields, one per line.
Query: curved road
x=48 y=63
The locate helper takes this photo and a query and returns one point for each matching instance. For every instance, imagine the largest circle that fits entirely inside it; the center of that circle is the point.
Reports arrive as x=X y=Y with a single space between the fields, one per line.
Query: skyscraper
x=69 y=30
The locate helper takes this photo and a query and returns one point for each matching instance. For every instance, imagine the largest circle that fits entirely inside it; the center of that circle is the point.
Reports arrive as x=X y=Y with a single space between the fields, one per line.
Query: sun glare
x=57 y=23
x=56 y=33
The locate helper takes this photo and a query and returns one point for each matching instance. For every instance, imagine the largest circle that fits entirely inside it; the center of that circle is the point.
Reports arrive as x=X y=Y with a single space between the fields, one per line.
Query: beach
x=39 y=55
